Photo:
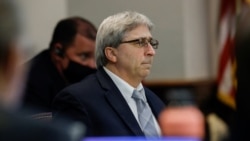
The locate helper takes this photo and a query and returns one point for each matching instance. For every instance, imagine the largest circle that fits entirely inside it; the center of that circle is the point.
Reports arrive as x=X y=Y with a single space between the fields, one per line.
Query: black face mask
x=76 y=72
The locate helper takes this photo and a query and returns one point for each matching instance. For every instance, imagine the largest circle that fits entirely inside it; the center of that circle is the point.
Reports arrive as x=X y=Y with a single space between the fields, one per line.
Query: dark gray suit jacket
x=98 y=103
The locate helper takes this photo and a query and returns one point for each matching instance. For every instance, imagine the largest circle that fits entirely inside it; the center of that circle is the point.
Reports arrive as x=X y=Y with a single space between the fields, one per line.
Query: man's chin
x=145 y=73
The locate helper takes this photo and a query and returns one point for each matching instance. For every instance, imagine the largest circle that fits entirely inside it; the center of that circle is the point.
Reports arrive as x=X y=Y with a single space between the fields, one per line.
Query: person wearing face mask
x=69 y=58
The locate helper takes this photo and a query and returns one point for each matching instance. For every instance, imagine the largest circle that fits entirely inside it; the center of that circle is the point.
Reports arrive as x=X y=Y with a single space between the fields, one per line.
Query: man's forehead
x=87 y=30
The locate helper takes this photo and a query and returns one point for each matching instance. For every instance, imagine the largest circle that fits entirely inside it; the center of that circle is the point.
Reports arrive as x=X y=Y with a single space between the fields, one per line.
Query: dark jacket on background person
x=97 y=102
x=43 y=83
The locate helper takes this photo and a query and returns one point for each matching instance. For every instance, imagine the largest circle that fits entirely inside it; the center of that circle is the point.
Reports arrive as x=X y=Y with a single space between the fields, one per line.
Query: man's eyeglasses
x=143 y=42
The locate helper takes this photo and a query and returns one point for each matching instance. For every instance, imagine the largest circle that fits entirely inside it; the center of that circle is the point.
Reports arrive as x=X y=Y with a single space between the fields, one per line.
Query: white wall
x=39 y=19
x=196 y=43
x=213 y=35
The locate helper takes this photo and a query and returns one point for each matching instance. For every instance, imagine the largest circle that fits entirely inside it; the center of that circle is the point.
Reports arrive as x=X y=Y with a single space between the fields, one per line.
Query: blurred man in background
x=69 y=59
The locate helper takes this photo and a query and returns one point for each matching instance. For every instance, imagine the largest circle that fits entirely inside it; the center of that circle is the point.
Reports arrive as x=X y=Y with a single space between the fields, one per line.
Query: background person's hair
x=66 y=30
x=113 y=29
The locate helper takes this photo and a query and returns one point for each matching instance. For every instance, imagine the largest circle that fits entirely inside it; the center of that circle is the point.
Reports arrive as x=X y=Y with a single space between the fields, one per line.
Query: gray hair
x=113 y=29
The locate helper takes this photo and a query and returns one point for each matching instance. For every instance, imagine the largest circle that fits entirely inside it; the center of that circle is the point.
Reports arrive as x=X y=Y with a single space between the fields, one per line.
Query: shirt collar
x=123 y=86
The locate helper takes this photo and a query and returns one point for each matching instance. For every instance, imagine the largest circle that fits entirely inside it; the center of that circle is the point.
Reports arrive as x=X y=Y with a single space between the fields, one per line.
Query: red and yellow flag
x=226 y=79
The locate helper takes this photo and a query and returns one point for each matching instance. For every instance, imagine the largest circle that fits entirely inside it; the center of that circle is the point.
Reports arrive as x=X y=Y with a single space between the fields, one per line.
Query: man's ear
x=111 y=54
x=58 y=50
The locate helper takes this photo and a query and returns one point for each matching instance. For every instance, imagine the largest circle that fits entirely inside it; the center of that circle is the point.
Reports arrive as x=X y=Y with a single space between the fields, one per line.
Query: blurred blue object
x=140 y=139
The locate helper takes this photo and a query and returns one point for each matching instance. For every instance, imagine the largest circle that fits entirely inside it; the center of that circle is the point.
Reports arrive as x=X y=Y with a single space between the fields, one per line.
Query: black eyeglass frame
x=143 y=42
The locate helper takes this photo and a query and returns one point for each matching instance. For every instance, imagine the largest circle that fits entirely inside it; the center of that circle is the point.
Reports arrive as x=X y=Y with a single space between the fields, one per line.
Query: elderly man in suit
x=105 y=101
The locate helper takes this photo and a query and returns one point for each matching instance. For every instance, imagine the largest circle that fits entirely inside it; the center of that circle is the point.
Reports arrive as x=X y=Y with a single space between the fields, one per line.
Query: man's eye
x=138 y=42
x=85 y=56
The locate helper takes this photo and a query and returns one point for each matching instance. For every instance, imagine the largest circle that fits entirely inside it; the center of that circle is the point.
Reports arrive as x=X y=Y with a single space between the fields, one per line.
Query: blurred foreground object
x=182 y=117
x=14 y=126
x=242 y=49
x=10 y=76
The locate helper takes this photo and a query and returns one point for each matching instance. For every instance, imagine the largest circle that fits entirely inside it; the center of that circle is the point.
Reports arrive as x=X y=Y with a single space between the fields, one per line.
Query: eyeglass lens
x=153 y=42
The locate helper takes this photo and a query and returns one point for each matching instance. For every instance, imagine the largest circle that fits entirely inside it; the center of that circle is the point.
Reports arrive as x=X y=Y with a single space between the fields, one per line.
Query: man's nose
x=150 y=50
x=92 y=63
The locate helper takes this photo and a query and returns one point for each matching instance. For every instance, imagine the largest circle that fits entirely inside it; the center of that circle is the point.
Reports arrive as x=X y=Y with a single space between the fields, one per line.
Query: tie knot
x=137 y=95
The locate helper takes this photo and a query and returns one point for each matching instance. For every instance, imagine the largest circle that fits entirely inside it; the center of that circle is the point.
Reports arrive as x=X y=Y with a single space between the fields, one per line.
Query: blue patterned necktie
x=145 y=115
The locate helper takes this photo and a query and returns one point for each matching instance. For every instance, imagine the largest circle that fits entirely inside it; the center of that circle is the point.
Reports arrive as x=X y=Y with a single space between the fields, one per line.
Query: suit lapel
x=121 y=107
x=118 y=103
x=156 y=106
